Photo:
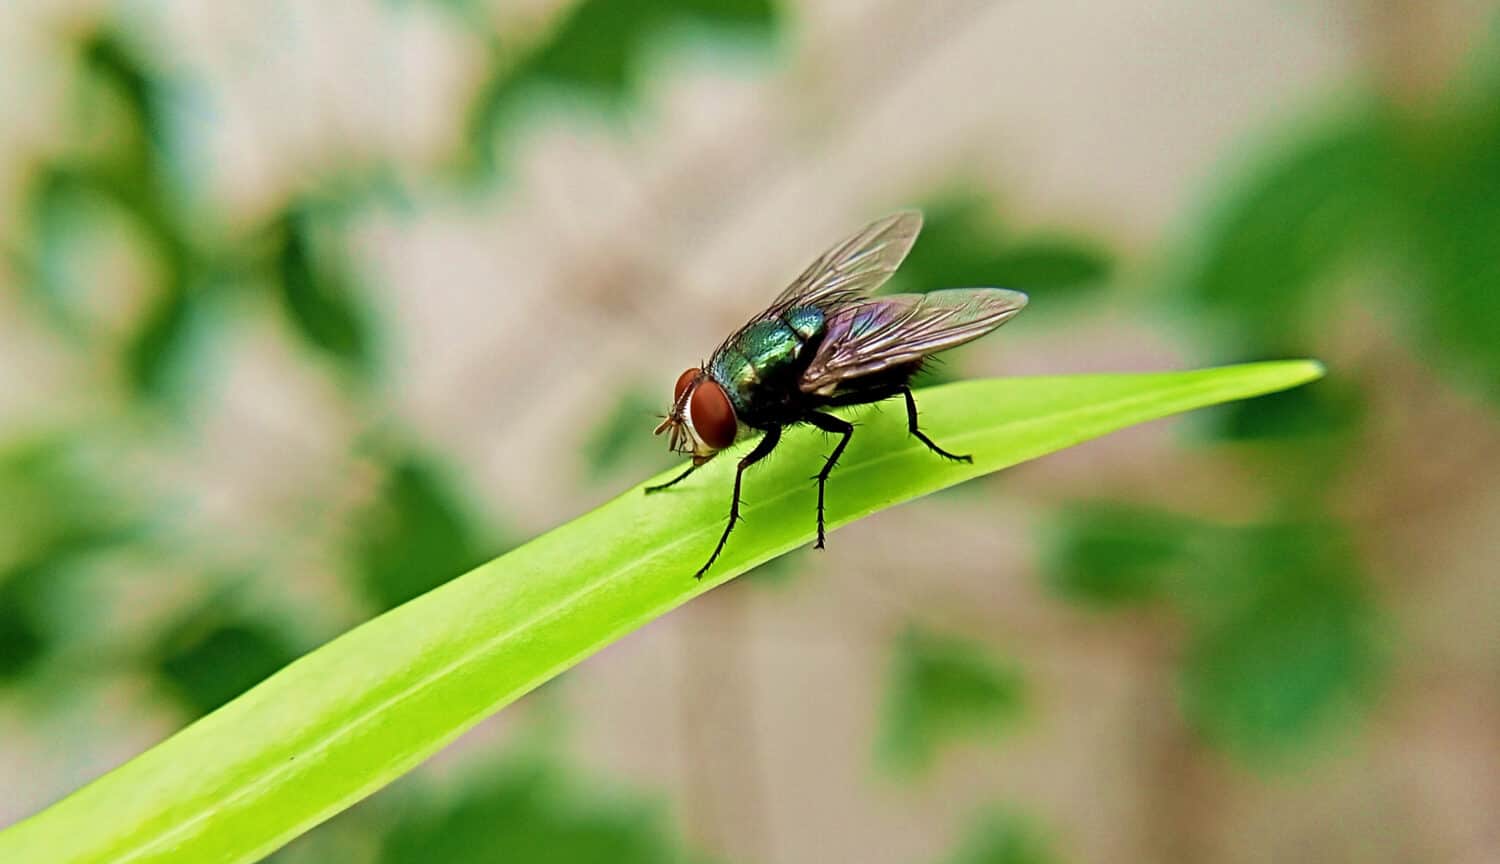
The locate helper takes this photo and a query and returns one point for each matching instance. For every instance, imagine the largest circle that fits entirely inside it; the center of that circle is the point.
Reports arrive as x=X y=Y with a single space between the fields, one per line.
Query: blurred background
x=306 y=307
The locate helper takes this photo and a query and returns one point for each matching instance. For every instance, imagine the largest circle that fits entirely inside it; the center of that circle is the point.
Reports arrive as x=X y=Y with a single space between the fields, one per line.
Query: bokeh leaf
x=24 y=635
x=528 y=811
x=1281 y=232
x=158 y=359
x=1452 y=208
x=1282 y=639
x=617 y=441
x=318 y=293
x=943 y=688
x=1053 y=267
x=998 y=837
x=962 y=244
x=119 y=164
x=211 y=657
x=56 y=510
x=346 y=719
x=56 y=516
x=114 y=65
x=1327 y=409
x=60 y=199
x=1112 y=555
x=415 y=534
x=1281 y=629
x=598 y=50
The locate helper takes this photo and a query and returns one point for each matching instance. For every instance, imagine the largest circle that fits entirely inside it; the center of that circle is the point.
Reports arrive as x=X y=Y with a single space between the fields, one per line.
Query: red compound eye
x=683 y=381
x=713 y=416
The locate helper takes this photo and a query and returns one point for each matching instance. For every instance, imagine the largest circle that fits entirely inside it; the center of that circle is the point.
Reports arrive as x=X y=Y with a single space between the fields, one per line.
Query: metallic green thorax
x=762 y=358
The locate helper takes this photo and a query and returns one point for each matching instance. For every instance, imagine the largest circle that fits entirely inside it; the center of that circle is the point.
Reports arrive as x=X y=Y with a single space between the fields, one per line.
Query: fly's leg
x=829 y=423
x=762 y=450
x=911 y=426
x=674 y=481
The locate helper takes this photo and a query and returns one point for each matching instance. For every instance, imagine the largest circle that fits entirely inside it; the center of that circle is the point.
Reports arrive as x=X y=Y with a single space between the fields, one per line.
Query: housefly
x=825 y=342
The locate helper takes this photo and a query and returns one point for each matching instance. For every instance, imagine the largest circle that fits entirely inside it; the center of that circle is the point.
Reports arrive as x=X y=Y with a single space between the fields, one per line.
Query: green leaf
x=355 y=714
x=943 y=688
x=998 y=837
x=415 y=535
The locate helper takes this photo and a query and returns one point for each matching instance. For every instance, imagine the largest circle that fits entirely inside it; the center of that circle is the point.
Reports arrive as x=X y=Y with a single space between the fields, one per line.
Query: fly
x=825 y=342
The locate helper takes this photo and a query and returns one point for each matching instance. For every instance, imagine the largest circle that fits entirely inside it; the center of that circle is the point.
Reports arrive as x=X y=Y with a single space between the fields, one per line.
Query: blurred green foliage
x=598 y=51
x=116 y=67
x=943 y=688
x=57 y=517
x=963 y=244
x=1415 y=188
x=1282 y=640
x=24 y=634
x=1114 y=555
x=159 y=360
x=57 y=509
x=316 y=288
x=1283 y=232
x=213 y=655
x=529 y=810
x=1325 y=410
x=1451 y=206
x=616 y=442
x=1281 y=630
x=122 y=168
x=1000 y=837
x=415 y=534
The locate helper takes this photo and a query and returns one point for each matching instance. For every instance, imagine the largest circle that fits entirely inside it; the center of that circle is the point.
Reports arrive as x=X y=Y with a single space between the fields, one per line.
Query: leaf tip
x=1290 y=373
x=1310 y=369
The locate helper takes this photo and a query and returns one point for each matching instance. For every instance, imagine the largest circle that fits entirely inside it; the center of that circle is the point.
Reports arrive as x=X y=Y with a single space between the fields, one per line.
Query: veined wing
x=855 y=267
x=882 y=332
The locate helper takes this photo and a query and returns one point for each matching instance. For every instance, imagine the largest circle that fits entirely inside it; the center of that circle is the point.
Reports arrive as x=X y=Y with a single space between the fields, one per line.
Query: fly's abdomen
x=760 y=368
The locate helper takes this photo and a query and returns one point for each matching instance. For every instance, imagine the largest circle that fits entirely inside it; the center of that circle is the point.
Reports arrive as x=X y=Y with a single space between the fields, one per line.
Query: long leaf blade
x=341 y=722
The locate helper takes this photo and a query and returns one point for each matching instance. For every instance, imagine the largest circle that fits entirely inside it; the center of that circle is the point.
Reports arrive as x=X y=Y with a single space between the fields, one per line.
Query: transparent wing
x=857 y=266
x=881 y=332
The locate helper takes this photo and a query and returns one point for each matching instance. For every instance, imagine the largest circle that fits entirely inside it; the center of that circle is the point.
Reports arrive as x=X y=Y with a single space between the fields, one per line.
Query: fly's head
x=702 y=421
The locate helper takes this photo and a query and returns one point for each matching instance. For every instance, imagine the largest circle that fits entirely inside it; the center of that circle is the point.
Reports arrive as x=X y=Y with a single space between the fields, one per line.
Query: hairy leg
x=911 y=426
x=692 y=466
x=829 y=423
x=763 y=449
